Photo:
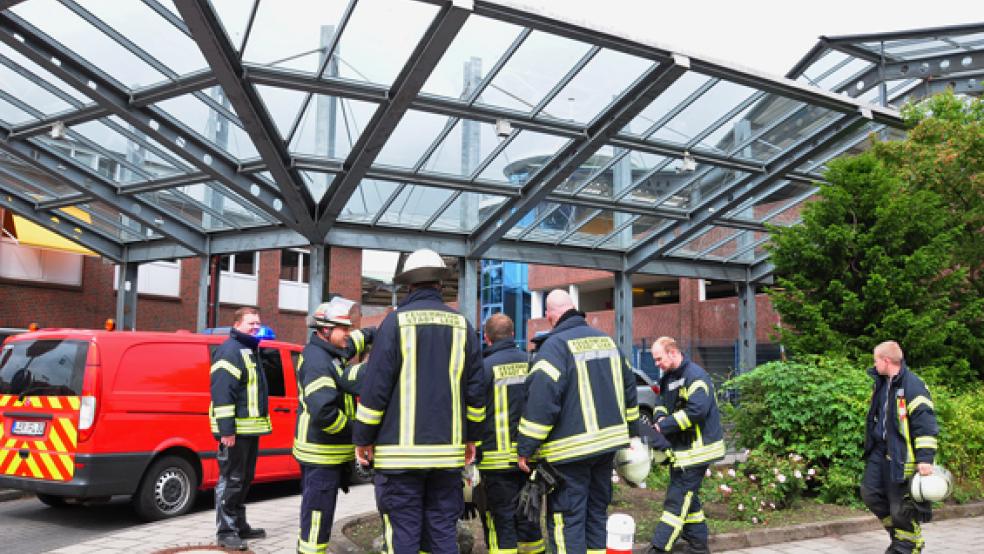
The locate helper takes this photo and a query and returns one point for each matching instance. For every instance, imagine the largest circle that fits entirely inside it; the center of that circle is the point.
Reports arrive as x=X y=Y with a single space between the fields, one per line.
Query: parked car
x=89 y=414
x=9 y=332
x=647 y=392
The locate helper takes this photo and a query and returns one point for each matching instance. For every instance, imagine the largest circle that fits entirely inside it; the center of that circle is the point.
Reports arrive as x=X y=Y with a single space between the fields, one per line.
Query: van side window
x=295 y=357
x=273 y=367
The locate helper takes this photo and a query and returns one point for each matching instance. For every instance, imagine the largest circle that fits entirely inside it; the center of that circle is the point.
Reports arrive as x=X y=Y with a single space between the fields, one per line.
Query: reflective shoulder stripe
x=697 y=385
x=226 y=410
x=227 y=366
x=476 y=415
x=358 y=340
x=920 y=401
x=368 y=416
x=660 y=410
x=632 y=414
x=337 y=425
x=532 y=429
x=682 y=419
x=926 y=442
x=547 y=368
x=431 y=317
x=319 y=383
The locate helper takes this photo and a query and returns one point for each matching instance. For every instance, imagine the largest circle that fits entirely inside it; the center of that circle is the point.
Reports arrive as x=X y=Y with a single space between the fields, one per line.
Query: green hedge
x=961 y=419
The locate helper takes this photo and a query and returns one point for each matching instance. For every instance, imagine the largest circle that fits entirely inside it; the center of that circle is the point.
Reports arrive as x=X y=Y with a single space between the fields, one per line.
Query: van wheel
x=52 y=500
x=167 y=489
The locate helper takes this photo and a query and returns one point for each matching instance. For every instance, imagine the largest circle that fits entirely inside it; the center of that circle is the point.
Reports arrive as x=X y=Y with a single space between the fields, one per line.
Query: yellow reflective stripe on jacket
x=337 y=425
x=533 y=429
x=695 y=386
x=419 y=456
x=322 y=454
x=682 y=419
x=368 y=416
x=498 y=459
x=476 y=415
x=408 y=383
x=903 y=419
x=920 y=401
x=247 y=425
x=660 y=410
x=456 y=367
x=585 y=444
x=319 y=383
x=700 y=455
x=632 y=414
x=586 y=397
x=252 y=387
x=226 y=365
x=532 y=547
x=358 y=340
x=548 y=368
x=226 y=410
x=616 y=365
x=501 y=405
x=926 y=442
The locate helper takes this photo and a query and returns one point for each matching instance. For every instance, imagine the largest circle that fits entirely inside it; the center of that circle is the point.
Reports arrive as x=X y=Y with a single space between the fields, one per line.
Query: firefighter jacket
x=422 y=395
x=239 y=388
x=504 y=379
x=909 y=422
x=581 y=395
x=326 y=400
x=688 y=415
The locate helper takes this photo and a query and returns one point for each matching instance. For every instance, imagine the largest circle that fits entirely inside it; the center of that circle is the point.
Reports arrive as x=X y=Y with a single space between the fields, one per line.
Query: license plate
x=29 y=428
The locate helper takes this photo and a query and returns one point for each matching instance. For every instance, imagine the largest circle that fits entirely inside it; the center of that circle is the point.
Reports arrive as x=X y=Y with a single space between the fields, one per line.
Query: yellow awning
x=29 y=233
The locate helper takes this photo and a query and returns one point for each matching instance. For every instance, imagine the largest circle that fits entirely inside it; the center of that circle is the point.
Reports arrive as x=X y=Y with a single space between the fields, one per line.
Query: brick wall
x=546 y=277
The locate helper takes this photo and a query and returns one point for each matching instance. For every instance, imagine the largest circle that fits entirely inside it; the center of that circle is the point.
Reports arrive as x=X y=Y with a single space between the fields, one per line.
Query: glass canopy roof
x=481 y=128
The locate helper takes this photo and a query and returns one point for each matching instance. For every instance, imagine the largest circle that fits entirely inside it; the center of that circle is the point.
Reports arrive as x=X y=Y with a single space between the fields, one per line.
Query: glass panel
x=367 y=200
x=579 y=177
x=696 y=189
x=522 y=157
x=316 y=140
x=601 y=225
x=669 y=99
x=801 y=124
x=840 y=79
x=468 y=143
x=207 y=205
x=300 y=48
x=12 y=115
x=414 y=206
x=480 y=44
x=605 y=77
x=151 y=33
x=209 y=124
x=533 y=70
x=826 y=63
x=283 y=105
x=83 y=39
x=115 y=224
x=773 y=203
x=854 y=143
x=35 y=183
x=557 y=218
x=648 y=186
x=915 y=48
x=234 y=14
x=705 y=240
x=42 y=74
x=564 y=219
x=317 y=183
x=411 y=138
x=30 y=92
x=713 y=104
x=144 y=163
x=722 y=138
x=465 y=213
x=634 y=233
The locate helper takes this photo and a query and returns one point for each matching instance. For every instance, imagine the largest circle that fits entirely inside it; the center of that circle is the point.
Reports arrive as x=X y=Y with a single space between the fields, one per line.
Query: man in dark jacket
x=687 y=415
x=581 y=407
x=506 y=367
x=900 y=439
x=420 y=412
x=239 y=415
x=326 y=406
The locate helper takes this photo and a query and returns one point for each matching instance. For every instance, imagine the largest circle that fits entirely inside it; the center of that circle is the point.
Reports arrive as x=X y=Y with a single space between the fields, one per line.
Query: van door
x=275 y=448
x=40 y=389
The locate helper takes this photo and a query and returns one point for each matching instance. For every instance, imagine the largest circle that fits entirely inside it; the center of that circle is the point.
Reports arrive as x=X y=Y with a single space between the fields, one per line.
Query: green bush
x=814 y=407
x=961 y=419
x=761 y=485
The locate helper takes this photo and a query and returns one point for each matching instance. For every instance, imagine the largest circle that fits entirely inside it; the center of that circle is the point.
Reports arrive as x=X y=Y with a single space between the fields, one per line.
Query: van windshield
x=50 y=367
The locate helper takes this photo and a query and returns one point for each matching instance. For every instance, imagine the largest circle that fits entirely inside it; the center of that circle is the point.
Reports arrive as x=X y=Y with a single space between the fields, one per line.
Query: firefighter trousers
x=319 y=493
x=682 y=513
x=888 y=501
x=507 y=532
x=237 y=465
x=420 y=503
x=578 y=510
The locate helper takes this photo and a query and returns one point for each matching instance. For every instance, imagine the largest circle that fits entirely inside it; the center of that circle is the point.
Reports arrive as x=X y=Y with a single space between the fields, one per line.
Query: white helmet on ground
x=422 y=266
x=634 y=462
x=935 y=487
x=331 y=314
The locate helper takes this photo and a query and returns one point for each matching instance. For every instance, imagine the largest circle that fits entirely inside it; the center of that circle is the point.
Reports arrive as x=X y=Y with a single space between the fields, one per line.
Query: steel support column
x=468 y=290
x=201 y=311
x=318 y=285
x=126 y=296
x=746 y=326
x=622 y=303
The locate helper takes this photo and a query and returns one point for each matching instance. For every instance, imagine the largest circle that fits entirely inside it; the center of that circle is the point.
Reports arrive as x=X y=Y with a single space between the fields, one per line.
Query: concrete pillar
x=468 y=290
x=319 y=276
x=746 y=327
x=622 y=303
x=126 y=296
x=574 y=291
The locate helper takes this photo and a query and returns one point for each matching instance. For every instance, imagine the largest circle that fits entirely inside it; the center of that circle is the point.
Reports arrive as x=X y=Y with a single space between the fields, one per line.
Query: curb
x=13 y=494
x=340 y=543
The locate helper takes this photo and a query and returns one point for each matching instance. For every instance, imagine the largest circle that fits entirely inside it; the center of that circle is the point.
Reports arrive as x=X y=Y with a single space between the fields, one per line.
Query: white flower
x=741 y=507
x=773 y=485
x=798 y=474
x=731 y=472
x=720 y=475
x=754 y=499
x=707 y=473
x=752 y=477
x=781 y=478
x=775 y=471
x=811 y=471
x=762 y=503
x=772 y=505
x=755 y=520
x=725 y=488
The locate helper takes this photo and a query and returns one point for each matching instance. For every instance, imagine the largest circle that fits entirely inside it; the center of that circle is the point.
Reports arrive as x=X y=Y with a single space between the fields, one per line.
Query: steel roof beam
x=724 y=201
x=609 y=122
x=61 y=226
x=914 y=69
x=407 y=85
x=153 y=122
x=929 y=32
x=210 y=36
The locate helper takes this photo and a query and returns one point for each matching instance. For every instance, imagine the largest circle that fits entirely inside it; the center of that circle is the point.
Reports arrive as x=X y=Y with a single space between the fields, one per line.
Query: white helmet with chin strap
x=634 y=462
x=422 y=266
x=935 y=487
x=332 y=314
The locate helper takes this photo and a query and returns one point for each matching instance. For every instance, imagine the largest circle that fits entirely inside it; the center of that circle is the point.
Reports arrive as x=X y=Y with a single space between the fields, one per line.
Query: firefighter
x=688 y=416
x=900 y=440
x=580 y=408
x=326 y=405
x=420 y=412
x=238 y=415
x=506 y=367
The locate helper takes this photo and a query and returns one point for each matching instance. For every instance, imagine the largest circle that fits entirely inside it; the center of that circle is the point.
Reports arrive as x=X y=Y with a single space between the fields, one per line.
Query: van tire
x=167 y=489
x=52 y=500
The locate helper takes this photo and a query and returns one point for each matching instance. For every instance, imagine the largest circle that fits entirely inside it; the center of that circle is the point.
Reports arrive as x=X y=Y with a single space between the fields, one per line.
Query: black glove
x=544 y=479
x=345 y=477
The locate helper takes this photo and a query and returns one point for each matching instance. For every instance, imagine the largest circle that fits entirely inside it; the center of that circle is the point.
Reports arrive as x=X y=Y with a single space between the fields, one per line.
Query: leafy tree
x=892 y=249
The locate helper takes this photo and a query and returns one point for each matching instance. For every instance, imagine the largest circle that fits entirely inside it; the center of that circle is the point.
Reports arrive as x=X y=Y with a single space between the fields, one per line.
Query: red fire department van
x=89 y=414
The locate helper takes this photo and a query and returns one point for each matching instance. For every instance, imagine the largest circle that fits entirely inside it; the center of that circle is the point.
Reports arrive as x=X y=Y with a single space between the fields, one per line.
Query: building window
x=295 y=266
x=243 y=263
x=25 y=263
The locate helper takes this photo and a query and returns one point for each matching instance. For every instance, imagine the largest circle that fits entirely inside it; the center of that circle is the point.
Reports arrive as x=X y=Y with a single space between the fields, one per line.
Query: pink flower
x=752 y=477
x=781 y=478
x=707 y=473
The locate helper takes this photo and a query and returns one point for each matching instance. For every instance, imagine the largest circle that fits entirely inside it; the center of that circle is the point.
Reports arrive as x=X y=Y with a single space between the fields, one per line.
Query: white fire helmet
x=331 y=314
x=935 y=487
x=422 y=266
x=634 y=462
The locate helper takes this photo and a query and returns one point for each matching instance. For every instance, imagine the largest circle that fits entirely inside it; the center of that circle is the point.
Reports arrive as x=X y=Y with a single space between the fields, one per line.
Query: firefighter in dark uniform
x=506 y=367
x=688 y=416
x=323 y=436
x=581 y=407
x=420 y=412
x=238 y=415
x=900 y=439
